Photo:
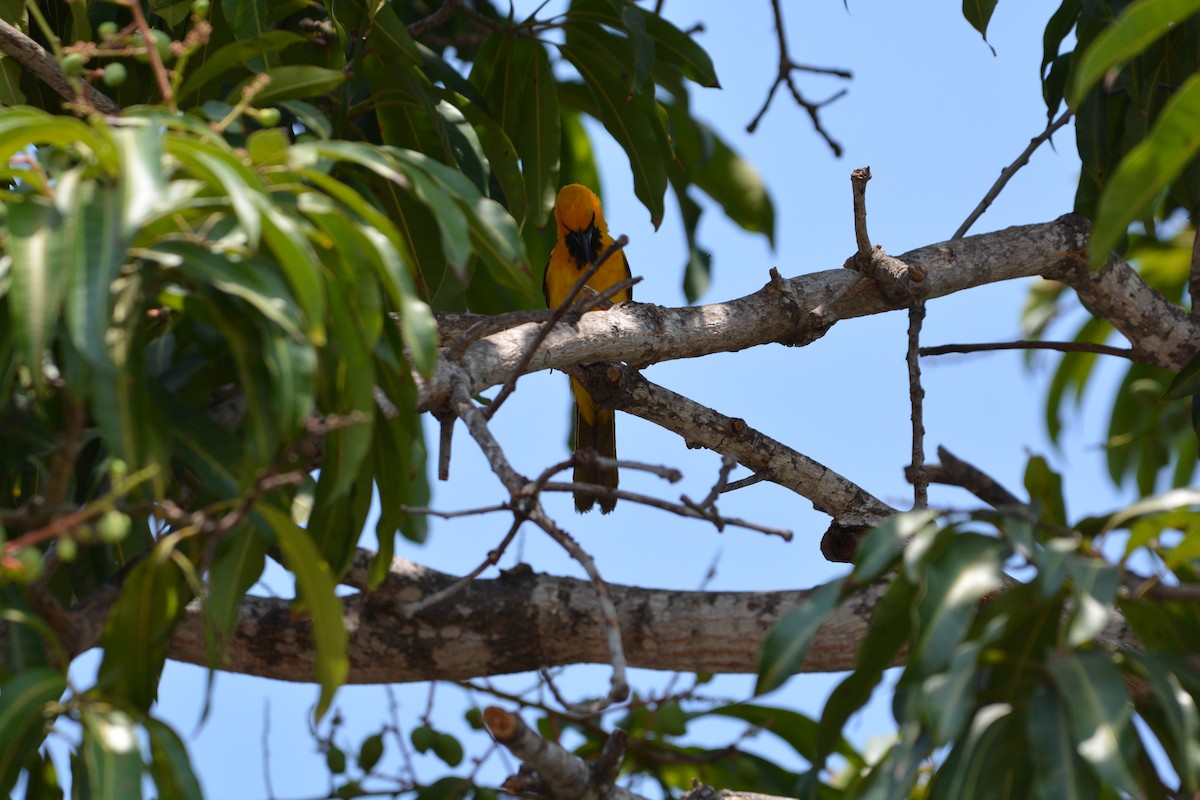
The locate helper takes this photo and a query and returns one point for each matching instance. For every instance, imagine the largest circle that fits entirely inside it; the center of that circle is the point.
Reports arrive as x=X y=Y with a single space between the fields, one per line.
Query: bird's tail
x=596 y=428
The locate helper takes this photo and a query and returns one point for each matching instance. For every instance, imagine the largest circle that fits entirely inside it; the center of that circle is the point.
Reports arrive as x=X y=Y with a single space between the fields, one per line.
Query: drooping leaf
x=1101 y=715
x=153 y=598
x=109 y=755
x=38 y=246
x=979 y=14
x=790 y=638
x=23 y=723
x=238 y=54
x=170 y=766
x=315 y=588
x=1058 y=769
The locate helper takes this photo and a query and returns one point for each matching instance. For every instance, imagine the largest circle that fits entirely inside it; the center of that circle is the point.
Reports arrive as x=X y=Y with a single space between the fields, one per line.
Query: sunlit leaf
x=1147 y=170
x=1139 y=24
x=1101 y=715
x=110 y=755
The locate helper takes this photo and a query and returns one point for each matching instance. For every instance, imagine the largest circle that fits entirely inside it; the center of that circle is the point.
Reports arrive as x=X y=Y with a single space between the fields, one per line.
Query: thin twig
x=435 y=19
x=619 y=683
x=467 y=512
x=916 y=396
x=784 y=76
x=493 y=558
x=156 y=63
x=511 y=384
x=709 y=502
x=750 y=480
x=719 y=522
x=1030 y=344
x=1007 y=173
x=1194 y=275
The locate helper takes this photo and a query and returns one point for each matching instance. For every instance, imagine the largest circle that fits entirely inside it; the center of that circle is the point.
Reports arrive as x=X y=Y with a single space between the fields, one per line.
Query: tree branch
x=799 y=310
x=33 y=57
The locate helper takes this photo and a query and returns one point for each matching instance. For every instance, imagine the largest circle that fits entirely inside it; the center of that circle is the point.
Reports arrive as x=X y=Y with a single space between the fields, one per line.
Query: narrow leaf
x=788 y=642
x=110 y=756
x=1100 y=715
x=23 y=723
x=315 y=588
x=170 y=766
x=1147 y=170
x=1139 y=24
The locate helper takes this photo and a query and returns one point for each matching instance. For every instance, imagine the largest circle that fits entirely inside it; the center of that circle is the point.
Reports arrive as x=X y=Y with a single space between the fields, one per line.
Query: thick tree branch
x=33 y=57
x=519 y=622
x=799 y=310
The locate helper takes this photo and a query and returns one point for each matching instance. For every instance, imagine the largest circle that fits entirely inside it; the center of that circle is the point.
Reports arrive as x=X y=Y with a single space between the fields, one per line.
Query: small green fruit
x=269 y=117
x=201 y=8
x=67 y=549
x=107 y=30
x=370 y=752
x=447 y=748
x=72 y=64
x=31 y=565
x=113 y=527
x=162 y=43
x=423 y=738
x=115 y=74
x=335 y=759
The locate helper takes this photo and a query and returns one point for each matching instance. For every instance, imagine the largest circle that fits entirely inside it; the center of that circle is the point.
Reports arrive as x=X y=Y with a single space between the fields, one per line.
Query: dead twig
x=784 y=77
x=1032 y=344
x=1007 y=173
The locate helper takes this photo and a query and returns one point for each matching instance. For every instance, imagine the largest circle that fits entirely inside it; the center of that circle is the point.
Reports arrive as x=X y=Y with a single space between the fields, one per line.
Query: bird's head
x=580 y=221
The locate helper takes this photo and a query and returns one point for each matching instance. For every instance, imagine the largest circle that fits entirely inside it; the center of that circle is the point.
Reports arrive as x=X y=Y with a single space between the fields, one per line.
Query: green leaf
x=1095 y=588
x=697 y=270
x=238 y=54
x=738 y=188
x=883 y=545
x=23 y=723
x=109 y=755
x=537 y=139
x=953 y=583
x=1147 y=170
x=170 y=766
x=1178 y=709
x=1100 y=715
x=294 y=82
x=979 y=14
x=1187 y=382
x=388 y=35
x=798 y=730
x=153 y=598
x=631 y=119
x=315 y=588
x=252 y=279
x=964 y=769
x=788 y=642
x=948 y=697
x=676 y=47
x=249 y=21
x=1059 y=772
x=95 y=252
x=238 y=564
x=1139 y=24
x=39 y=270
x=1045 y=491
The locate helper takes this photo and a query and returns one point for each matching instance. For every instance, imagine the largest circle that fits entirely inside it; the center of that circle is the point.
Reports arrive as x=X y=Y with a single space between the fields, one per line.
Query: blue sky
x=936 y=116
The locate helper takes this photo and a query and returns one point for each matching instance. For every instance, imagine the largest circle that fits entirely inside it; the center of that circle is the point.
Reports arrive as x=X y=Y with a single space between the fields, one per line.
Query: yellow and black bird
x=582 y=237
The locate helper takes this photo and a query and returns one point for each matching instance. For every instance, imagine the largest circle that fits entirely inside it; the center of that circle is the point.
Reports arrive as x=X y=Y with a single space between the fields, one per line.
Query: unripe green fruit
x=423 y=738
x=115 y=74
x=72 y=64
x=269 y=117
x=162 y=43
x=31 y=565
x=107 y=30
x=200 y=8
x=67 y=549
x=113 y=527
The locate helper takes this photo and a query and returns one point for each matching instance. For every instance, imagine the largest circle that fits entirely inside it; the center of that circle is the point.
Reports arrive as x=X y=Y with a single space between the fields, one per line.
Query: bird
x=582 y=237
